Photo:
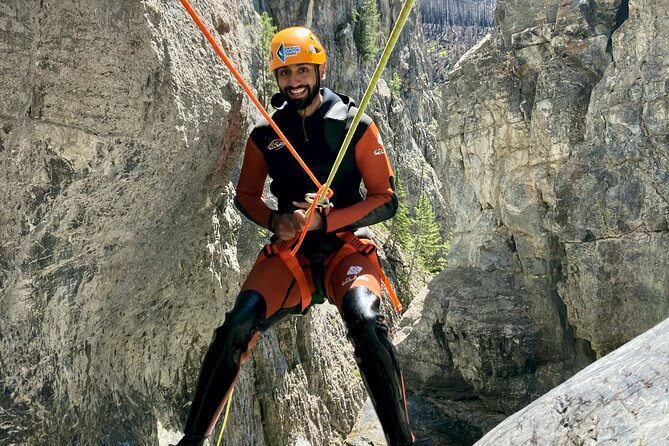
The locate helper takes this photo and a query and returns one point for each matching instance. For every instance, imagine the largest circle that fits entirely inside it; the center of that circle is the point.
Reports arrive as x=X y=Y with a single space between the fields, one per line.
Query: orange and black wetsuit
x=317 y=139
x=348 y=276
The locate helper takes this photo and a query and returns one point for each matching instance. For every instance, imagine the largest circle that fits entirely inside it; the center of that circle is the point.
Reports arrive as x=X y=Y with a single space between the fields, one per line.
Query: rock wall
x=458 y=12
x=451 y=28
x=112 y=160
x=554 y=160
x=120 y=135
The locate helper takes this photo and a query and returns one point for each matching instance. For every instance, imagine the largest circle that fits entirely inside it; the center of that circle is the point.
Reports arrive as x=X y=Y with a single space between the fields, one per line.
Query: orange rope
x=266 y=115
x=247 y=89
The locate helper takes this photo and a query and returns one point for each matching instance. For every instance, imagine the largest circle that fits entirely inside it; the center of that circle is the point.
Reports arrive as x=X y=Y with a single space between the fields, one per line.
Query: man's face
x=299 y=83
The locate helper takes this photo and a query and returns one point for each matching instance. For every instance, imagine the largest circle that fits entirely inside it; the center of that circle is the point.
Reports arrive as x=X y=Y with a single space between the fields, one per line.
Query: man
x=331 y=261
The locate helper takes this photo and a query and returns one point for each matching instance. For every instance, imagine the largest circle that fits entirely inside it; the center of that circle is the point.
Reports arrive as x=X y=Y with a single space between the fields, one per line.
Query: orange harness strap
x=302 y=283
x=283 y=250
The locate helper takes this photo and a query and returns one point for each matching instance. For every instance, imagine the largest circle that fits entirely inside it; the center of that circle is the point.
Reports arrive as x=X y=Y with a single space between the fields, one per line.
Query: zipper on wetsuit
x=304 y=129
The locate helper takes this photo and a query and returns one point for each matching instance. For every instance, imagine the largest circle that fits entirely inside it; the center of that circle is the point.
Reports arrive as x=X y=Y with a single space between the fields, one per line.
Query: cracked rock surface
x=554 y=159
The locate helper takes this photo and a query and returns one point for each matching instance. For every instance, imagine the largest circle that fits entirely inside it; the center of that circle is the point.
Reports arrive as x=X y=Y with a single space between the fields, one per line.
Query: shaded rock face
x=458 y=12
x=452 y=27
x=554 y=144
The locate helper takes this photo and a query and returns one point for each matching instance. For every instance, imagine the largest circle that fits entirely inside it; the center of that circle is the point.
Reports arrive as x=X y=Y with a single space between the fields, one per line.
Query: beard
x=301 y=104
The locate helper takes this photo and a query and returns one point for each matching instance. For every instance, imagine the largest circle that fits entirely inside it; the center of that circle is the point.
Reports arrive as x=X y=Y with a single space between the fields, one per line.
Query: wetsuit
x=349 y=278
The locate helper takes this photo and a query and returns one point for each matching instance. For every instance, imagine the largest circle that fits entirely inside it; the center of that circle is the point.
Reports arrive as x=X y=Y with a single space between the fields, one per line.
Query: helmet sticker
x=284 y=51
x=281 y=54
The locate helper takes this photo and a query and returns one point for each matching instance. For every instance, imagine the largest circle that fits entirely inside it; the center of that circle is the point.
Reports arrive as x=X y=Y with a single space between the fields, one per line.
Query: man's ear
x=321 y=70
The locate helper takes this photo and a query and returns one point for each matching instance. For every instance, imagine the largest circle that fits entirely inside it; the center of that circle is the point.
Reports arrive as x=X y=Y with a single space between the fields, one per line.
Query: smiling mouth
x=297 y=92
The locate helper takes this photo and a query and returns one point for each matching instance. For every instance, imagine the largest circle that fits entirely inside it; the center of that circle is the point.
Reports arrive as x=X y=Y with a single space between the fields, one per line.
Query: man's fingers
x=299 y=220
x=301 y=204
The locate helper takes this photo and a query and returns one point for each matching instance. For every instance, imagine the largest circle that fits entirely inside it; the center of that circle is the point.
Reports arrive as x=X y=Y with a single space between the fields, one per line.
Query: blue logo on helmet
x=284 y=52
x=281 y=53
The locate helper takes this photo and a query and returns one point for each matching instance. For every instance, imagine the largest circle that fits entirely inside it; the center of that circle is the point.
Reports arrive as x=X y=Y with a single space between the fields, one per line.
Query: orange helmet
x=295 y=45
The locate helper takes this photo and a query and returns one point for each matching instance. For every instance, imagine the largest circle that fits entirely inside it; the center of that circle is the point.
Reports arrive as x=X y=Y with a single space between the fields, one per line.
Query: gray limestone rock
x=111 y=159
x=119 y=254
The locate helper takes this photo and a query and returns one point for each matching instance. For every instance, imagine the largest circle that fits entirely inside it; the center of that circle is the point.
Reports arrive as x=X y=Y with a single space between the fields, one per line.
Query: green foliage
x=400 y=225
x=437 y=49
x=367 y=31
x=263 y=236
x=429 y=246
x=419 y=242
x=266 y=80
x=395 y=84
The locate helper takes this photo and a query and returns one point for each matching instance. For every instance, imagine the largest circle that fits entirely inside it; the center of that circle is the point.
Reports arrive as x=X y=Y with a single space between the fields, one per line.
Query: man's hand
x=316 y=221
x=286 y=226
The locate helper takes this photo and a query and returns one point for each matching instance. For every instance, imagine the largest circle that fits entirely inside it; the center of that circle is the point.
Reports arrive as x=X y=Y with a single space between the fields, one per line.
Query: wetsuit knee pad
x=245 y=318
x=360 y=311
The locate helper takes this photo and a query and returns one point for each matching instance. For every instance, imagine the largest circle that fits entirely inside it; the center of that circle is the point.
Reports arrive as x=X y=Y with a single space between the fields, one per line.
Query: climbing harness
x=352 y=243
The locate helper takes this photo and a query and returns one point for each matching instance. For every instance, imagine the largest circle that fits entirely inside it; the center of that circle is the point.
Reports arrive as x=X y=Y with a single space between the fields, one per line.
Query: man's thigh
x=276 y=283
x=355 y=269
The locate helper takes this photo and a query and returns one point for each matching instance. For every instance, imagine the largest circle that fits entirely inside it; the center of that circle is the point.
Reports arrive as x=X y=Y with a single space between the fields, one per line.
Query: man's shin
x=378 y=363
x=221 y=365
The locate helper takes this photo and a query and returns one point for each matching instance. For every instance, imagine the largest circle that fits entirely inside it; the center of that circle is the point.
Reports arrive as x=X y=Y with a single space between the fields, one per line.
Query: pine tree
x=400 y=226
x=367 y=31
x=266 y=79
x=429 y=245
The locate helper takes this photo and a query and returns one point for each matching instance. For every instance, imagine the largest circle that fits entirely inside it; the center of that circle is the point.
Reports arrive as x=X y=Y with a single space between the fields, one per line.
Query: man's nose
x=294 y=80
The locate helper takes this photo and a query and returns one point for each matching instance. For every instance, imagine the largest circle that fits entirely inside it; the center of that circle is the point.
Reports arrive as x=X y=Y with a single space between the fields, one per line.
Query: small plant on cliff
x=367 y=33
x=437 y=49
x=395 y=85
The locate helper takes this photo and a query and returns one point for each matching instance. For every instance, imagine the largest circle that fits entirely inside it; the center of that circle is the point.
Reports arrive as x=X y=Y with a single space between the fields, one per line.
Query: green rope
x=225 y=418
x=392 y=40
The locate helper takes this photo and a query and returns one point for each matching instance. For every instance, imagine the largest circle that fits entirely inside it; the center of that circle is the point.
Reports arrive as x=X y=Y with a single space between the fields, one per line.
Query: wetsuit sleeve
x=381 y=202
x=249 y=198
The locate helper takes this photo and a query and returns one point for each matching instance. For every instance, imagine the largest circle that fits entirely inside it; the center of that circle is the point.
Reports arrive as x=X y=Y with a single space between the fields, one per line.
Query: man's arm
x=377 y=174
x=249 y=198
x=250 y=201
